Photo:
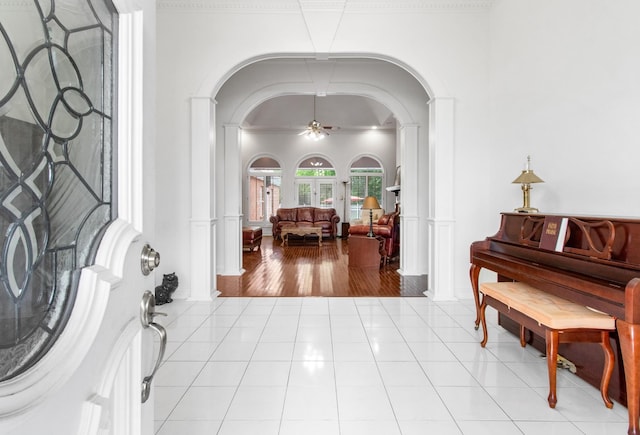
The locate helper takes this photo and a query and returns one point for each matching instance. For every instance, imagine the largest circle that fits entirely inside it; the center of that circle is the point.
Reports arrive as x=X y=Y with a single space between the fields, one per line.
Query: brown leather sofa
x=325 y=218
x=387 y=227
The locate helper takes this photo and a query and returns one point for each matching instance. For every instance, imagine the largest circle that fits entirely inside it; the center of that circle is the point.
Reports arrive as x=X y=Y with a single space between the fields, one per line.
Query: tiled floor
x=348 y=366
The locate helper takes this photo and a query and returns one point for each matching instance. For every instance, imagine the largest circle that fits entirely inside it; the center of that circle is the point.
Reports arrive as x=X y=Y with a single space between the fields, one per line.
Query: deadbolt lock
x=149 y=260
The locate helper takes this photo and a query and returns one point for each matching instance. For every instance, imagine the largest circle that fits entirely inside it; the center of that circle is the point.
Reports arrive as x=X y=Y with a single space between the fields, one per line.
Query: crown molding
x=359 y=6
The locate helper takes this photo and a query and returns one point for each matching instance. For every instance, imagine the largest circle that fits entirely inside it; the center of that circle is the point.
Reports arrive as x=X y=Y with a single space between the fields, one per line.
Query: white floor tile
x=550 y=428
x=369 y=427
x=484 y=427
x=449 y=374
x=349 y=366
x=266 y=373
x=221 y=374
x=273 y=351
x=165 y=400
x=310 y=403
x=203 y=403
x=313 y=351
x=418 y=403
x=364 y=374
x=432 y=351
x=247 y=427
x=524 y=404
x=178 y=373
x=352 y=352
x=391 y=351
x=193 y=351
x=311 y=374
x=309 y=427
x=202 y=427
x=233 y=351
x=409 y=374
x=364 y=403
x=257 y=403
x=422 y=427
x=470 y=403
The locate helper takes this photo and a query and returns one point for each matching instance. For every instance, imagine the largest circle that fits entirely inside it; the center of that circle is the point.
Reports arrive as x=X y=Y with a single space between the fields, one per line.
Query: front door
x=75 y=220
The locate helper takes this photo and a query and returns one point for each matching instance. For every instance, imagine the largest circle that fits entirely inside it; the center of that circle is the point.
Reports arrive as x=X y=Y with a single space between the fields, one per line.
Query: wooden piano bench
x=557 y=320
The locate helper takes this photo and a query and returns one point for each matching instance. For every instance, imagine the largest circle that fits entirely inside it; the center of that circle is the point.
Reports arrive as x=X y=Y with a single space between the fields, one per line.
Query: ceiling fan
x=315 y=130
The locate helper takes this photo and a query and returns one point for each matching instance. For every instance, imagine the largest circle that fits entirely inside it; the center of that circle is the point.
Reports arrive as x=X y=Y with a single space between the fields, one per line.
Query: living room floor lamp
x=370 y=203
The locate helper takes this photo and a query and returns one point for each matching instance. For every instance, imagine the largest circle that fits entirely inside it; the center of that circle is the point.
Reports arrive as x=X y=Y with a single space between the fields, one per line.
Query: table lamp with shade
x=526 y=178
x=370 y=203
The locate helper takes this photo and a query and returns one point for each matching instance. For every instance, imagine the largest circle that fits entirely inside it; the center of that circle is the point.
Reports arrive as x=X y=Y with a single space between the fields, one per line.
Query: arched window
x=366 y=177
x=264 y=192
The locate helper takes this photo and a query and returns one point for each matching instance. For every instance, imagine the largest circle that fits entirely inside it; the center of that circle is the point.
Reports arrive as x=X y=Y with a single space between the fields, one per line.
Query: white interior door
x=74 y=227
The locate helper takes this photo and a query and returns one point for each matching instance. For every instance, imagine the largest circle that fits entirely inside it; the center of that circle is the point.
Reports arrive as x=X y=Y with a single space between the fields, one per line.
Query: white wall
x=340 y=148
x=447 y=52
x=556 y=80
x=565 y=89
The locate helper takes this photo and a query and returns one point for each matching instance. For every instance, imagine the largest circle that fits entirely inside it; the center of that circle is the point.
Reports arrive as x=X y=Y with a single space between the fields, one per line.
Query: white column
x=203 y=222
x=409 y=213
x=441 y=189
x=232 y=258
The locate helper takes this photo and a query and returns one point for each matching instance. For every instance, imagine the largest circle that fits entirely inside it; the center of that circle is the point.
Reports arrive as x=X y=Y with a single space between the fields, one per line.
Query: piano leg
x=474 y=274
x=629 y=335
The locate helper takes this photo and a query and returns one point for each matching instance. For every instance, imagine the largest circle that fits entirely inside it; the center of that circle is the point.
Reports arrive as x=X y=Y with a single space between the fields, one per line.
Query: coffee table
x=300 y=231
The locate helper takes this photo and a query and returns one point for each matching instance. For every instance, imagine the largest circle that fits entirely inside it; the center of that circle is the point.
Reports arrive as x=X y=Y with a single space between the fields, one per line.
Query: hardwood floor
x=304 y=269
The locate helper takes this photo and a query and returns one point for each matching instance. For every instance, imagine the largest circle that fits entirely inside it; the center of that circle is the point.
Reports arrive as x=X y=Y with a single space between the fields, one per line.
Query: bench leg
x=553 y=340
x=483 y=321
x=523 y=336
x=608 y=369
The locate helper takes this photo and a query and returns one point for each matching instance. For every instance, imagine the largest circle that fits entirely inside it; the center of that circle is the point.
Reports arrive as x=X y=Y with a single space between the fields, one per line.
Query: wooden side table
x=345 y=229
x=366 y=251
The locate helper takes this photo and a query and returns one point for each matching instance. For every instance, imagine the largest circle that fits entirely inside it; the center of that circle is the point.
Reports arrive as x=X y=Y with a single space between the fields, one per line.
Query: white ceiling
x=337 y=112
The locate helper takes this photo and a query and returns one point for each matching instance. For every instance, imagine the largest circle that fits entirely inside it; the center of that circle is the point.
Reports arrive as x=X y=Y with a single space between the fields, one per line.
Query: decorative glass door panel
x=56 y=90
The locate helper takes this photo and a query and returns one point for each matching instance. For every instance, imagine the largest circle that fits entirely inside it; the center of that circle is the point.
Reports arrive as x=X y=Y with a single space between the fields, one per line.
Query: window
x=264 y=189
x=315 y=183
x=366 y=180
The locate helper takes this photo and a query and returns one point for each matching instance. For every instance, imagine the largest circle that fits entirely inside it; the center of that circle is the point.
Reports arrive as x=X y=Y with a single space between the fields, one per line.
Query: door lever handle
x=147 y=313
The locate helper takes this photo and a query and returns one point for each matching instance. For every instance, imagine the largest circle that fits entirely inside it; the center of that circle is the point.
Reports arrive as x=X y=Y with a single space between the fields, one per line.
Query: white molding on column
x=203 y=259
x=232 y=243
x=409 y=258
x=441 y=281
x=410 y=247
x=203 y=222
x=441 y=191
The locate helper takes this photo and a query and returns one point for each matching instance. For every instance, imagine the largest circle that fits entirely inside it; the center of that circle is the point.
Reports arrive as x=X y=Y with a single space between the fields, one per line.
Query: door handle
x=147 y=313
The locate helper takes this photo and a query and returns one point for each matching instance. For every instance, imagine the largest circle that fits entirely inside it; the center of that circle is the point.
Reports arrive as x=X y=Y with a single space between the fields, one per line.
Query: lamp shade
x=370 y=202
x=527 y=177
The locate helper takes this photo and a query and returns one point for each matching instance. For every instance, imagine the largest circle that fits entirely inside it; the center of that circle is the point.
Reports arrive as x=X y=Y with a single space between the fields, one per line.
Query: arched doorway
x=425 y=228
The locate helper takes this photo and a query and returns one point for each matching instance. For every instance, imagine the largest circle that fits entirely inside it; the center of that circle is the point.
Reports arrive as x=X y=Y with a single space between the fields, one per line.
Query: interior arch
x=381 y=81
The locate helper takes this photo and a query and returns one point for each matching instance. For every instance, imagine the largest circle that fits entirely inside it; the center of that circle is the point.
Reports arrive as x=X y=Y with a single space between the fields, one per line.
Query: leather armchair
x=387 y=227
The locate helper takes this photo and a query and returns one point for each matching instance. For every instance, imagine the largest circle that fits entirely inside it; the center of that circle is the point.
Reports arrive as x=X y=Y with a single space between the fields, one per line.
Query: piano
x=597 y=265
